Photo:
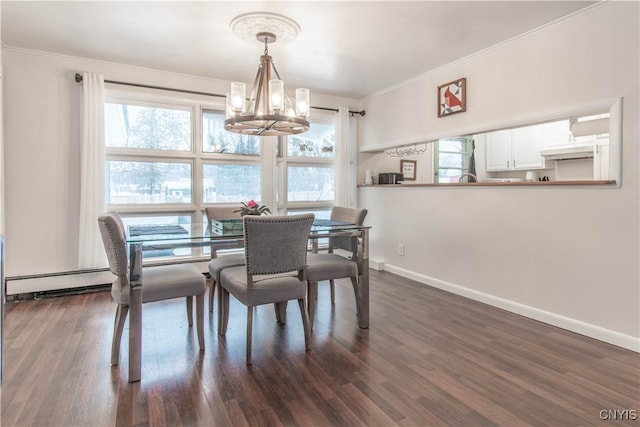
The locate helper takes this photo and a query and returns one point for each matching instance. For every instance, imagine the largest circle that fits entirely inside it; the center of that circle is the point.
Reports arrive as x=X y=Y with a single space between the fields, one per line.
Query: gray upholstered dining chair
x=274 y=271
x=158 y=283
x=217 y=264
x=330 y=266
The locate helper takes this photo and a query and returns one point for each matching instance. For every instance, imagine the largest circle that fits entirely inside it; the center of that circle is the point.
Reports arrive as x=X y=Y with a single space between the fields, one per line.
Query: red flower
x=252 y=208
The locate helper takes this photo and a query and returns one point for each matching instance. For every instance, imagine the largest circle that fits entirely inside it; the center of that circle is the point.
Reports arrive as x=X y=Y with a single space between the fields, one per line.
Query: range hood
x=569 y=151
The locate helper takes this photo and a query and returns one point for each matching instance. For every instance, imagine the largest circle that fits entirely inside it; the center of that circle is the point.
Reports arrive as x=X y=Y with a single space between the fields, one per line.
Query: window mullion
x=268 y=170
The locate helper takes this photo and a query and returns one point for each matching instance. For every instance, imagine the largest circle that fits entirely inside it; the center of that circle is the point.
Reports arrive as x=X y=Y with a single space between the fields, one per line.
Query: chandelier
x=269 y=110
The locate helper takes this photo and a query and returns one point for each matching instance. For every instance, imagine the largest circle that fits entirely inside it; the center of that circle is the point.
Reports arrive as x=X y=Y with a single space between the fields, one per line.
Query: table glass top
x=227 y=230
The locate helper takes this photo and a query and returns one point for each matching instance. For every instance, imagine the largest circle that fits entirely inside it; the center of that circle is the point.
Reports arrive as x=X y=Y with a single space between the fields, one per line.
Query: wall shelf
x=501 y=184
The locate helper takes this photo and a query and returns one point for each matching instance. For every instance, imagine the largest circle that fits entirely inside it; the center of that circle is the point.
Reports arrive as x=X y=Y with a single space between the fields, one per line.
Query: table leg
x=135 y=311
x=363 y=283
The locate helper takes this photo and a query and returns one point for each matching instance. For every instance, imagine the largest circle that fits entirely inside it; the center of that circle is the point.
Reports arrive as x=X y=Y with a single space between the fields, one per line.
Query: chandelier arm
x=266 y=78
x=275 y=70
x=253 y=90
x=260 y=84
x=268 y=127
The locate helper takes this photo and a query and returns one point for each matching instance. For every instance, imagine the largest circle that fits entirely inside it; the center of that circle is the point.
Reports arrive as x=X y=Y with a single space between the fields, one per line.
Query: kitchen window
x=452 y=159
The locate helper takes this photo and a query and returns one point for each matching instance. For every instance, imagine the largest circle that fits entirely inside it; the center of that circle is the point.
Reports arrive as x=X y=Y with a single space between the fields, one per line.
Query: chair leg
x=305 y=324
x=281 y=311
x=224 y=307
x=200 y=320
x=332 y=284
x=354 y=283
x=312 y=301
x=249 y=332
x=190 y=310
x=221 y=309
x=211 y=292
x=121 y=316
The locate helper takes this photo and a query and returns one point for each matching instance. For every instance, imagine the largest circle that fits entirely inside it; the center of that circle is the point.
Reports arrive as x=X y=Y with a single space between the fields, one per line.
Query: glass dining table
x=148 y=238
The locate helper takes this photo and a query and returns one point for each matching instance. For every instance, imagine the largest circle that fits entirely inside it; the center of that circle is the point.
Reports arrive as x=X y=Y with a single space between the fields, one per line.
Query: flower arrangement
x=253 y=208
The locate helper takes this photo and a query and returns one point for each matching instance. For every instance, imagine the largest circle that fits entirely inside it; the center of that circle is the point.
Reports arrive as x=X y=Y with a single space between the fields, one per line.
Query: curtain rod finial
x=78 y=77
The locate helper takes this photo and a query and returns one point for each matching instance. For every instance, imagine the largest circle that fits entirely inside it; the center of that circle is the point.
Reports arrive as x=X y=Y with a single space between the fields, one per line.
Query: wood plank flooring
x=430 y=358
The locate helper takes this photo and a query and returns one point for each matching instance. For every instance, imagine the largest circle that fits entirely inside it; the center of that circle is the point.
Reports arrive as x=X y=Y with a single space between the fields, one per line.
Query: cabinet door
x=498 y=151
x=525 y=145
x=601 y=161
x=555 y=133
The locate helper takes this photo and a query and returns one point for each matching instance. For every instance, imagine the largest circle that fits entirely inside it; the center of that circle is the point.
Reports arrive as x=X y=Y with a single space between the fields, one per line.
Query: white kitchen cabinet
x=555 y=133
x=498 y=150
x=526 y=144
x=514 y=149
x=601 y=160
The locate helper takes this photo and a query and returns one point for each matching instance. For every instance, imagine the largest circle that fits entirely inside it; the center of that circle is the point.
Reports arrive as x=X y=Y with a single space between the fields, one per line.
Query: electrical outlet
x=401 y=249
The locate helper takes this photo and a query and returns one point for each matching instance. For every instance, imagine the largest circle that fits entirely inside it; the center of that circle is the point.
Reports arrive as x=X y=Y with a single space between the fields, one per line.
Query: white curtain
x=346 y=159
x=91 y=252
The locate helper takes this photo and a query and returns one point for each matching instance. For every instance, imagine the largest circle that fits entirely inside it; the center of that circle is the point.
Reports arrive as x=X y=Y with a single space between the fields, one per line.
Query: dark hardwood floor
x=429 y=359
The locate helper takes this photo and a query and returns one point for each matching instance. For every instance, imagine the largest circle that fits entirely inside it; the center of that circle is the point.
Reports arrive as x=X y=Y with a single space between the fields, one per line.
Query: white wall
x=565 y=255
x=42 y=156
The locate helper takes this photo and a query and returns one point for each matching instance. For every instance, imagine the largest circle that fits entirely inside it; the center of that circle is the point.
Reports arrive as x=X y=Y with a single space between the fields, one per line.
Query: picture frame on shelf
x=452 y=97
x=408 y=169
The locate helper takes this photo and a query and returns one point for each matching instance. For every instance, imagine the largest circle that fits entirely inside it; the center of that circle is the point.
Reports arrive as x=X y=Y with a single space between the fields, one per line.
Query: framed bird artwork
x=452 y=97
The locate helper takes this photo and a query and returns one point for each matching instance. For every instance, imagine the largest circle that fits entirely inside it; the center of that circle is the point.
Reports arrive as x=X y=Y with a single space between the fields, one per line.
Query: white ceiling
x=347 y=48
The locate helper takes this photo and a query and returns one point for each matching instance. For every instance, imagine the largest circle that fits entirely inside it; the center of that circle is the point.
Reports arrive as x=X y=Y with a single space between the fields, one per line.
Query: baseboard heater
x=31 y=286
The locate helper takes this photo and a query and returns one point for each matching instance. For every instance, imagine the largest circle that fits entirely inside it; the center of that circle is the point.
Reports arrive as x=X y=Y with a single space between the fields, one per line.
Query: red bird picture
x=451 y=99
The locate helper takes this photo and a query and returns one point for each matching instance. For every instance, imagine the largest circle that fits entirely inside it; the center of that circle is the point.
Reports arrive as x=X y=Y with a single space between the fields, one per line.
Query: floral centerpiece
x=253 y=208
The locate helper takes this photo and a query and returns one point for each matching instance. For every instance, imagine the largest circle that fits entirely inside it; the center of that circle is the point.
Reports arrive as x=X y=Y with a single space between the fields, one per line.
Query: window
x=143 y=182
x=310 y=183
x=231 y=183
x=217 y=140
x=452 y=159
x=147 y=127
x=167 y=159
x=309 y=169
x=319 y=141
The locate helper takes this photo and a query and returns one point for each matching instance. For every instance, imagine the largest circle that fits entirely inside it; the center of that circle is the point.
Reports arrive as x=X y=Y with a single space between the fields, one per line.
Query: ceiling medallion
x=269 y=110
x=248 y=25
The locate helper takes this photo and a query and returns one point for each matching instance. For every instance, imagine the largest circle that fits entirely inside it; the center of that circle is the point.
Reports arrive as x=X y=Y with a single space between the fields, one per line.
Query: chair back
x=218 y=214
x=276 y=244
x=351 y=215
x=115 y=245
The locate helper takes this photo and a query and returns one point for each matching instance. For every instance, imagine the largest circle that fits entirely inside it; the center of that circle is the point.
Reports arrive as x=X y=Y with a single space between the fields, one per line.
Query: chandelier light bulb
x=228 y=106
x=276 y=95
x=238 y=97
x=302 y=102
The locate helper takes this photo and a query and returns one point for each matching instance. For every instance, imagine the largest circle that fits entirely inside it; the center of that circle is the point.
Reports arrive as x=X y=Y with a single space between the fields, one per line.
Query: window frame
x=466 y=152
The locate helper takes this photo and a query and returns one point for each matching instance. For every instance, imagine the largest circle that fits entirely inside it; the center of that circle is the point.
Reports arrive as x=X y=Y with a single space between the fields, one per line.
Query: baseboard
x=376 y=264
x=593 y=331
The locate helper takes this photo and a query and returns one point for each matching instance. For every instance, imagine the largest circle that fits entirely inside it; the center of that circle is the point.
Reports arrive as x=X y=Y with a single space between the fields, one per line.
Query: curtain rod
x=194 y=92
